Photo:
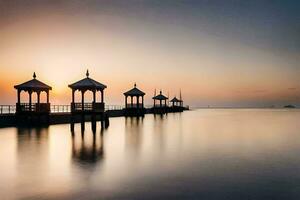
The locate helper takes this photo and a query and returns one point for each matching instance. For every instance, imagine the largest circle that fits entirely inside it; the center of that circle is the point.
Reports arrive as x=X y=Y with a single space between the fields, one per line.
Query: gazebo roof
x=134 y=92
x=175 y=100
x=160 y=97
x=87 y=83
x=33 y=85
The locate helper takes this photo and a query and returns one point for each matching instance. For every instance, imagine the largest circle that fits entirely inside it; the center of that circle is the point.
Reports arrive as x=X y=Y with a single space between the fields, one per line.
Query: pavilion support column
x=142 y=101
x=102 y=96
x=126 y=102
x=131 y=101
x=154 y=103
x=38 y=97
x=160 y=103
x=165 y=103
x=137 y=102
x=19 y=96
x=82 y=100
x=94 y=96
x=30 y=99
x=73 y=96
x=47 y=96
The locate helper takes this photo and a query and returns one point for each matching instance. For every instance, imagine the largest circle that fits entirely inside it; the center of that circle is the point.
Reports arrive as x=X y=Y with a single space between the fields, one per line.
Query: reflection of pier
x=134 y=134
x=94 y=109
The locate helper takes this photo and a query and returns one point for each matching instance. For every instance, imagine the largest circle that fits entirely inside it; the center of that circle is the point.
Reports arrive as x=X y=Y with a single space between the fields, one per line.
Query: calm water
x=202 y=154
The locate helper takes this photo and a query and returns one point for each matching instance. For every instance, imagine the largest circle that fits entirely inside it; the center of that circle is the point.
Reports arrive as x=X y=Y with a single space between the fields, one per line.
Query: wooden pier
x=43 y=113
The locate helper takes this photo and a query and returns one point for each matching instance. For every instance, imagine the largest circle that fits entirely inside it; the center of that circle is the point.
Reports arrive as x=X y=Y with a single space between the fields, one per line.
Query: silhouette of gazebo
x=176 y=102
x=177 y=105
x=134 y=108
x=87 y=84
x=92 y=108
x=160 y=98
x=32 y=86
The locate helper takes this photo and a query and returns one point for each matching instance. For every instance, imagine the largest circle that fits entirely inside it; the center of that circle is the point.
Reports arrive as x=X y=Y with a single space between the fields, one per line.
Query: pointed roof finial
x=87 y=73
x=134 y=85
x=34 y=75
x=160 y=92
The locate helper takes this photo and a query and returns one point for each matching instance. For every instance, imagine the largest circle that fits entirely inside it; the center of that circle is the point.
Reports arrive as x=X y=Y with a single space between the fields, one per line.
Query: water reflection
x=209 y=154
x=159 y=126
x=87 y=148
x=31 y=140
x=134 y=134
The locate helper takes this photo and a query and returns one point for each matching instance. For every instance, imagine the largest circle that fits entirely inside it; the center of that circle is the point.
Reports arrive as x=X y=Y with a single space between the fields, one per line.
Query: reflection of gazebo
x=137 y=107
x=87 y=84
x=87 y=152
x=33 y=86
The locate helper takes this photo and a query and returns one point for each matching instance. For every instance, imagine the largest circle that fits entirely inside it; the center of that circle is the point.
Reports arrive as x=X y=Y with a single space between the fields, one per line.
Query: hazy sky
x=224 y=53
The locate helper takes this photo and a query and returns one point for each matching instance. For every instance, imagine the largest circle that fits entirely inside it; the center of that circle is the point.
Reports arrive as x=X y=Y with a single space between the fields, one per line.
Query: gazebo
x=33 y=86
x=87 y=84
x=176 y=102
x=160 y=98
x=134 y=108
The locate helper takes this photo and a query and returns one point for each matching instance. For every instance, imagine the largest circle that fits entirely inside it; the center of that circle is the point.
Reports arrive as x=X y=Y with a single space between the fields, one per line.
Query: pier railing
x=7 y=109
x=60 y=108
x=34 y=107
x=11 y=109
x=135 y=105
x=79 y=107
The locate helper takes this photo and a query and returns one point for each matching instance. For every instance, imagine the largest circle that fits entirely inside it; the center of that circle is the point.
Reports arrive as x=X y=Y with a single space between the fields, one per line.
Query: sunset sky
x=219 y=53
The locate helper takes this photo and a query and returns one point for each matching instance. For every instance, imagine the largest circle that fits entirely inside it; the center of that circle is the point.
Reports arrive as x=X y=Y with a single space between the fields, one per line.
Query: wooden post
x=102 y=96
x=19 y=96
x=142 y=101
x=38 y=97
x=72 y=124
x=94 y=125
x=137 y=102
x=82 y=100
x=131 y=101
x=125 y=101
x=73 y=95
x=82 y=123
x=30 y=99
x=94 y=96
x=48 y=96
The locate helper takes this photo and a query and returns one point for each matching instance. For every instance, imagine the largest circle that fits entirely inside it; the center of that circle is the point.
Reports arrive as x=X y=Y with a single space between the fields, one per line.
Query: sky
x=217 y=52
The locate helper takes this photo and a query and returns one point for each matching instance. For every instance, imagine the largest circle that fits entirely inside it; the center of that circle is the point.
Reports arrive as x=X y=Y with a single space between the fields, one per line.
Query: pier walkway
x=61 y=114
